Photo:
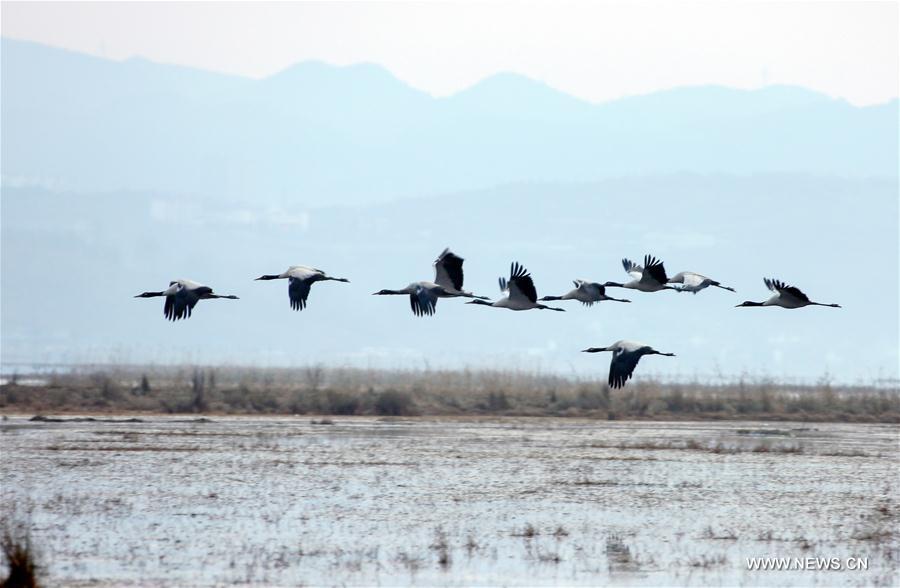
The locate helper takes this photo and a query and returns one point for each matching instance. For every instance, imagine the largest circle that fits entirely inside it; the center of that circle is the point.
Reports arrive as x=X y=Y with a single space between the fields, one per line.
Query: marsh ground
x=450 y=501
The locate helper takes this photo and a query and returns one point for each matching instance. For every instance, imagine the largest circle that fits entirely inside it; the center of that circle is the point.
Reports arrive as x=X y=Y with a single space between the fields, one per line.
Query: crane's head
x=748 y=303
x=595 y=349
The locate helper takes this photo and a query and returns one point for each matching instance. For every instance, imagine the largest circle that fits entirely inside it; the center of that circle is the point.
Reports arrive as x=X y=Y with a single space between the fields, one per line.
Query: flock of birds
x=519 y=294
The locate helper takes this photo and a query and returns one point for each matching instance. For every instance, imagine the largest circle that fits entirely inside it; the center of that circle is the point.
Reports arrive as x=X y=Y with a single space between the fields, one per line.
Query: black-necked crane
x=694 y=282
x=423 y=296
x=651 y=277
x=586 y=293
x=448 y=283
x=785 y=296
x=626 y=355
x=182 y=296
x=520 y=292
x=300 y=278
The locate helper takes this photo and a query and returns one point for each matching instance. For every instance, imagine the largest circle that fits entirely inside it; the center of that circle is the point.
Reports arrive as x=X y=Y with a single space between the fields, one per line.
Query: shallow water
x=281 y=501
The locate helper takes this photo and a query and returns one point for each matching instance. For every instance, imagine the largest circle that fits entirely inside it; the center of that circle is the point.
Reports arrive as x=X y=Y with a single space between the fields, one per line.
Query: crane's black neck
x=480 y=301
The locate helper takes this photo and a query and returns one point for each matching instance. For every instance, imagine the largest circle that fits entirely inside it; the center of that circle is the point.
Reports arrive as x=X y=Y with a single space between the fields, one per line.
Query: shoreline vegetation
x=318 y=390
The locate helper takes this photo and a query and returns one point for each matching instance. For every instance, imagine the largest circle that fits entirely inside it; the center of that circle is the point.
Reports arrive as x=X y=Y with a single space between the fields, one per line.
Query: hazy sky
x=597 y=50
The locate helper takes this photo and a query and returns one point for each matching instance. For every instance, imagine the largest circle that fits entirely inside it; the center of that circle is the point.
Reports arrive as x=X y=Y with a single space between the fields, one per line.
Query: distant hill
x=314 y=132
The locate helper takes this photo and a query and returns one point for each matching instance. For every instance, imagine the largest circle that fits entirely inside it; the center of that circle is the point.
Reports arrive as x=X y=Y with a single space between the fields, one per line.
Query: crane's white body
x=784 y=301
x=302 y=272
x=176 y=285
x=627 y=346
x=514 y=299
x=694 y=282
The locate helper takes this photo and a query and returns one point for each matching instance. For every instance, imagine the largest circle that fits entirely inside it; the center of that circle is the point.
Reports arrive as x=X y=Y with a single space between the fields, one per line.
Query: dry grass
x=471 y=545
x=442 y=547
x=694 y=445
x=560 y=532
x=346 y=391
x=707 y=561
x=617 y=552
x=529 y=532
x=724 y=535
x=20 y=559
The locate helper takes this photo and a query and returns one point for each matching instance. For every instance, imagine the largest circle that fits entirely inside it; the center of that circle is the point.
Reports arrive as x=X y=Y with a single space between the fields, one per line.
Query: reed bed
x=319 y=390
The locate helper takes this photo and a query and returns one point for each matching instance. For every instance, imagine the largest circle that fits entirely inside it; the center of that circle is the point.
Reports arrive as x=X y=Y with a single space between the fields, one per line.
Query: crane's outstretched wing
x=785 y=290
x=654 y=270
x=592 y=289
x=596 y=287
x=180 y=304
x=621 y=367
x=422 y=302
x=520 y=283
x=632 y=269
x=448 y=270
x=298 y=292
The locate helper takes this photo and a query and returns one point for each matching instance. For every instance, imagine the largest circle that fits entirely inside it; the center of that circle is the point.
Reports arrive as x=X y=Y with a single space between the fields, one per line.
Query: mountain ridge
x=316 y=132
x=10 y=43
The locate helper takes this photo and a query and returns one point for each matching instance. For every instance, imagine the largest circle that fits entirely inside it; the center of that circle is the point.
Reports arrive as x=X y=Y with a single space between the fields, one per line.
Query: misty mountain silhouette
x=316 y=133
